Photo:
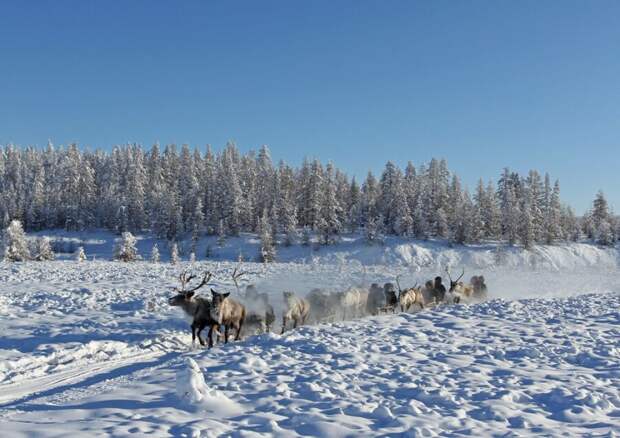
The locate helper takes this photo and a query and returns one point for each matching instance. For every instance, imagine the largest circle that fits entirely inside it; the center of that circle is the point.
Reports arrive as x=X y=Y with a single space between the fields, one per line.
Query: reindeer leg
x=193 y=335
x=295 y=322
x=200 y=329
x=215 y=327
x=239 y=325
x=226 y=333
x=210 y=336
x=284 y=320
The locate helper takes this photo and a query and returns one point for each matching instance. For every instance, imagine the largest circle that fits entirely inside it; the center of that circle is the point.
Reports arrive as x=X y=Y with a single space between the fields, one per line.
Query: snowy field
x=94 y=348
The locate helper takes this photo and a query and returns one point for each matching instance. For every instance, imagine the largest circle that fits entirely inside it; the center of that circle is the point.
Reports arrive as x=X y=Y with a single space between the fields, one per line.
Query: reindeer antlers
x=185 y=279
x=236 y=275
x=450 y=277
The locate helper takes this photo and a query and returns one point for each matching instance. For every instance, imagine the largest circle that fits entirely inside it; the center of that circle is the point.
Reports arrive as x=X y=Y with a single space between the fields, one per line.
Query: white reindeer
x=295 y=308
x=409 y=297
x=353 y=301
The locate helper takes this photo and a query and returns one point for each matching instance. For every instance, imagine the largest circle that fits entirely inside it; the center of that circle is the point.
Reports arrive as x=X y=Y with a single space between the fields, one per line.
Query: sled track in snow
x=12 y=394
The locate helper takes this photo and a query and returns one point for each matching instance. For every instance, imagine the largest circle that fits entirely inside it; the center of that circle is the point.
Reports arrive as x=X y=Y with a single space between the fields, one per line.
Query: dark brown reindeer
x=195 y=307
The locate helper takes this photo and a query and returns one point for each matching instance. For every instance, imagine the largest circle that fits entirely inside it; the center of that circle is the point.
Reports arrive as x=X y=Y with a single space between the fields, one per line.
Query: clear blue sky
x=485 y=84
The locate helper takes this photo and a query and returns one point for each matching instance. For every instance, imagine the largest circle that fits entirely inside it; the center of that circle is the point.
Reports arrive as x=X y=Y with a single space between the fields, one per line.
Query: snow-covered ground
x=94 y=348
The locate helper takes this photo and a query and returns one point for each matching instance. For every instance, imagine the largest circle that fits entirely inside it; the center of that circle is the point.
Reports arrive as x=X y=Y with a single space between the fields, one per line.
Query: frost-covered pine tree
x=125 y=249
x=537 y=203
x=587 y=225
x=354 y=206
x=15 y=243
x=221 y=233
x=174 y=254
x=155 y=257
x=605 y=234
x=599 y=223
x=267 y=248
x=44 y=249
x=306 y=236
x=192 y=257
x=374 y=231
x=511 y=217
x=553 y=215
x=570 y=224
x=80 y=255
x=526 y=227
x=329 y=225
x=600 y=209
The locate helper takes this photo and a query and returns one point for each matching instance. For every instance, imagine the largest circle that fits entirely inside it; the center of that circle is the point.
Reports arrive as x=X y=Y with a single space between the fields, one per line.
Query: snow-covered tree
x=267 y=247
x=125 y=249
x=15 y=243
x=600 y=209
x=511 y=217
x=553 y=215
x=599 y=224
x=43 y=249
x=306 y=236
x=526 y=227
x=175 y=193
x=374 y=231
x=174 y=253
x=80 y=255
x=221 y=233
x=155 y=257
x=329 y=225
x=605 y=234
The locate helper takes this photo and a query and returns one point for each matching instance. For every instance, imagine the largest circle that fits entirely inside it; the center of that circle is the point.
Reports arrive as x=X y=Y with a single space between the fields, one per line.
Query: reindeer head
x=217 y=298
x=251 y=293
x=454 y=283
x=184 y=293
x=288 y=296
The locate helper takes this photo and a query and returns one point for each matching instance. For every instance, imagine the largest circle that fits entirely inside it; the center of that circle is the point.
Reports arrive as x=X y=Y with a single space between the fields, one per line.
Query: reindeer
x=197 y=308
x=259 y=312
x=270 y=315
x=391 y=299
x=227 y=311
x=296 y=309
x=457 y=288
x=353 y=301
x=323 y=304
x=409 y=297
x=376 y=299
x=480 y=288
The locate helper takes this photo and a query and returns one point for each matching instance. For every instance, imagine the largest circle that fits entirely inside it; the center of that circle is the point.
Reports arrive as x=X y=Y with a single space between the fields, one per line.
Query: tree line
x=177 y=193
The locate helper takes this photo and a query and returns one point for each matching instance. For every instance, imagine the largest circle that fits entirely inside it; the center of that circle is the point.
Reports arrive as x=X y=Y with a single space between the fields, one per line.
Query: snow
x=93 y=347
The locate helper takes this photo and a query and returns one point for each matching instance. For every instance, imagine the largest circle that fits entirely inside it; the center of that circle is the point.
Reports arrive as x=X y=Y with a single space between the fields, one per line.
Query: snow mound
x=193 y=391
x=191 y=385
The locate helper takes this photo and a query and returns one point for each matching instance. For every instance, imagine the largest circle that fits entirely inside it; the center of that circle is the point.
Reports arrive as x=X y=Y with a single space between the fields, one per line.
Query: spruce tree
x=15 y=243
x=155 y=257
x=43 y=249
x=125 y=249
x=80 y=255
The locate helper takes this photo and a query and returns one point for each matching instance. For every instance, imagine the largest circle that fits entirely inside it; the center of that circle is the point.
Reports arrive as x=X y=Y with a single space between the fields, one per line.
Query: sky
x=483 y=84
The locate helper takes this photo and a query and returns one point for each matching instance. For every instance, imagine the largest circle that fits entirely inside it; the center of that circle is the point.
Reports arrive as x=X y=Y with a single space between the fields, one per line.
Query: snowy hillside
x=352 y=248
x=94 y=348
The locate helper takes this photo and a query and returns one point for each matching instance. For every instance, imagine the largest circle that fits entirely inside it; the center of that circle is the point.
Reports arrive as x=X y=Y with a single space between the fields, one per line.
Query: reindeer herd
x=255 y=314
